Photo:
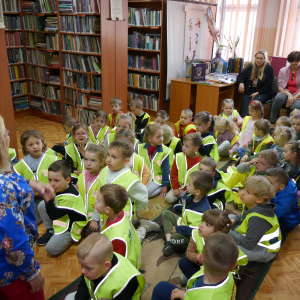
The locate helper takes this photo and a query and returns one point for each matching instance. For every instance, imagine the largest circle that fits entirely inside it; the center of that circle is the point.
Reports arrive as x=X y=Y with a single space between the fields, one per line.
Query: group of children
x=104 y=174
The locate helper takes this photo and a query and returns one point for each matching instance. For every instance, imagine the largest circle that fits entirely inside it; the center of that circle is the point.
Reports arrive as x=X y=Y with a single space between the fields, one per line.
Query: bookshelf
x=61 y=46
x=147 y=54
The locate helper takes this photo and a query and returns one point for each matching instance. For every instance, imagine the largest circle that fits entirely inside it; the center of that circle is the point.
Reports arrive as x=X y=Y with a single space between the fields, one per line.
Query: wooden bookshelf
x=160 y=29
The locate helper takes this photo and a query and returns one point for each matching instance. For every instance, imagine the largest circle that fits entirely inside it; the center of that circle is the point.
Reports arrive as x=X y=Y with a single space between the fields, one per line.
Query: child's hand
x=230 y=152
x=200 y=258
x=251 y=162
x=60 y=144
x=239 y=123
x=93 y=225
x=234 y=119
x=177 y=294
x=174 y=229
x=77 y=172
x=233 y=221
x=245 y=146
x=244 y=159
x=81 y=149
x=176 y=193
x=181 y=192
x=163 y=192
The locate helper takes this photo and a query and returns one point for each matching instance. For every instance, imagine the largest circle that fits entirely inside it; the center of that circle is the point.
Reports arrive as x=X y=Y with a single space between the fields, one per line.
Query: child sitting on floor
x=261 y=141
x=281 y=136
x=291 y=155
x=296 y=125
x=185 y=125
x=184 y=164
x=98 y=130
x=65 y=216
x=283 y=121
x=214 y=280
x=286 y=199
x=105 y=274
x=294 y=112
x=178 y=230
x=116 y=105
x=205 y=126
x=256 y=230
x=162 y=118
x=228 y=112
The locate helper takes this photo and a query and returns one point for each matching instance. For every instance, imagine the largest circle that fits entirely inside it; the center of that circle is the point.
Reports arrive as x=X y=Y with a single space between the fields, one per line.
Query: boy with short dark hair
x=261 y=141
x=286 y=198
x=65 y=216
x=105 y=274
x=185 y=125
x=116 y=105
x=178 y=230
x=214 y=280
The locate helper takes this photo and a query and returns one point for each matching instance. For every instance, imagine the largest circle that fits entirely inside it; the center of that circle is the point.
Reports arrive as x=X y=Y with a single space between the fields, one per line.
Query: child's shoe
x=151 y=226
x=45 y=238
x=168 y=249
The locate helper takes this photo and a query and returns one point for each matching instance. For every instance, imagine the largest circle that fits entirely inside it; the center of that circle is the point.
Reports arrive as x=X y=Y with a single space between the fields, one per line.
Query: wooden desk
x=197 y=96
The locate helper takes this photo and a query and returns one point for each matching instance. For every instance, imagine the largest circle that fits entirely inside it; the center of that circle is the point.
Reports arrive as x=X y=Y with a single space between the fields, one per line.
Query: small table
x=198 y=96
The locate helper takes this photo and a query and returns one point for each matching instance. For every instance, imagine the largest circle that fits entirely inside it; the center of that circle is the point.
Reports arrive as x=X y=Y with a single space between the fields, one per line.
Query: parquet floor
x=282 y=282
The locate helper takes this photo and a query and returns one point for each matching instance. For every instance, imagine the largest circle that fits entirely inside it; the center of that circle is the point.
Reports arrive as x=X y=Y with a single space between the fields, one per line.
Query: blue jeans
x=163 y=291
x=188 y=268
x=241 y=152
x=263 y=98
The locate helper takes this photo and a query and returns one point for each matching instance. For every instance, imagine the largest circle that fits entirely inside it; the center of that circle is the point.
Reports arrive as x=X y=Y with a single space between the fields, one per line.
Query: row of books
x=12 y=23
x=85 y=116
x=37 y=57
x=143 y=81
x=42 y=74
x=40 y=6
x=82 y=99
x=79 y=6
x=149 y=101
x=86 y=82
x=83 y=63
x=15 y=56
x=30 y=6
x=138 y=40
x=69 y=110
x=76 y=24
x=50 y=41
x=33 y=22
x=11 y=6
x=36 y=104
x=90 y=44
x=44 y=90
x=51 y=24
x=144 y=62
x=51 y=107
x=144 y=17
x=18 y=88
x=13 y=39
x=20 y=103
x=17 y=72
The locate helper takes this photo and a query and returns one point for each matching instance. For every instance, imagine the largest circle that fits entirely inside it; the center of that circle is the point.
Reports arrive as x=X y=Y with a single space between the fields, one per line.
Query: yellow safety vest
x=100 y=136
x=173 y=146
x=110 y=122
x=190 y=218
x=69 y=138
x=52 y=153
x=229 y=196
x=12 y=153
x=214 y=152
x=235 y=114
x=145 y=117
x=185 y=130
x=267 y=140
x=138 y=165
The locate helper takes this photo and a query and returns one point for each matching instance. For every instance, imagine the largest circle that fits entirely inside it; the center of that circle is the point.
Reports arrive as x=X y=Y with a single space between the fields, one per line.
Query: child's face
x=34 y=146
x=100 y=205
x=156 y=139
x=296 y=124
x=115 y=160
x=262 y=164
x=92 y=162
x=288 y=154
x=90 y=267
x=81 y=136
x=99 y=123
x=115 y=107
x=228 y=108
x=184 y=119
x=58 y=182
x=209 y=169
x=258 y=133
x=67 y=129
x=190 y=187
x=136 y=111
x=277 y=139
x=201 y=127
x=205 y=230
x=220 y=129
x=189 y=149
x=254 y=113
x=160 y=121
x=122 y=124
x=249 y=199
x=276 y=185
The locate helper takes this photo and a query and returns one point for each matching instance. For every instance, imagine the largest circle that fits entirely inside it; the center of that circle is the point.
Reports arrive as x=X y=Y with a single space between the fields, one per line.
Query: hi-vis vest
x=112 y=136
x=52 y=153
x=245 y=122
x=138 y=165
x=69 y=138
x=100 y=136
x=126 y=179
x=116 y=280
x=224 y=291
x=144 y=117
x=41 y=174
x=183 y=172
x=125 y=231
x=89 y=196
x=267 y=140
x=234 y=140
x=214 y=152
x=173 y=146
x=271 y=239
x=185 y=130
x=73 y=152
x=242 y=258
x=74 y=203
x=12 y=153
x=235 y=114
x=111 y=128
x=219 y=188
x=156 y=162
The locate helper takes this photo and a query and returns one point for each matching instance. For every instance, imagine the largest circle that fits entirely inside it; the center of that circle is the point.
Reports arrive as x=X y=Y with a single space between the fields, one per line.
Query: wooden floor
x=282 y=282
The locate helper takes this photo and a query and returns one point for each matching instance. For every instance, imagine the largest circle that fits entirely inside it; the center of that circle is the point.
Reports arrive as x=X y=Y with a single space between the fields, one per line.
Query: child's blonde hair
x=125 y=134
x=29 y=133
x=286 y=121
x=225 y=123
x=195 y=138
x=78 y=126
x=137 y=103
x=257 y=105
x=115 y=100
x=260 y=187
x=100 y=114
x=163 y=114
x=285 y=134
x=150 y=130
x=227 y=101
x=294 y=112
x=127 y=118
x=99 y=151
x=263 y=125
x=217 y=218
x=296 y=116
x=188 y=112
x=4 y=156
x=167 y=132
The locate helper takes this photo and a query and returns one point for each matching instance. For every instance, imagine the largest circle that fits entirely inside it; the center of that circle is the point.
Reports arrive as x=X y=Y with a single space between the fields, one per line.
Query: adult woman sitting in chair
x=256 y=81
x=288 y=87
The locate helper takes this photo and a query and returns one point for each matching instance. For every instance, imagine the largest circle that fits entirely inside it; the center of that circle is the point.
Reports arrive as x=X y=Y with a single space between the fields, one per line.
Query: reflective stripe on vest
x=235 y=114
x=190 y=218
x=100 y=135
x=268 y=139
x=185 y=129
x=12 y=153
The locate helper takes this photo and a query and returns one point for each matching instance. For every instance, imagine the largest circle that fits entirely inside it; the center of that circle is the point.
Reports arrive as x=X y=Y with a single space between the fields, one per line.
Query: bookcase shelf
x=75 y=33
x=138 y=88
x=143 y=71
x=93 y=73
x=43 y=82
x=43 y=66
x=84 y=53
x=144 y=50
x=36 y=31
x=21 y=79
x=6 y=30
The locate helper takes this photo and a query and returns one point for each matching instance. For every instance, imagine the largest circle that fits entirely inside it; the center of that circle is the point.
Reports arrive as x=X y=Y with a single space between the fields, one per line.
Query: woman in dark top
x=256 y=81
x=288 y=87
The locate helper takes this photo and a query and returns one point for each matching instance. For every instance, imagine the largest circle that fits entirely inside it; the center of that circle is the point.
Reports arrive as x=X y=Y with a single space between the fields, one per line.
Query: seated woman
x=256 y=81
x=288 y=87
